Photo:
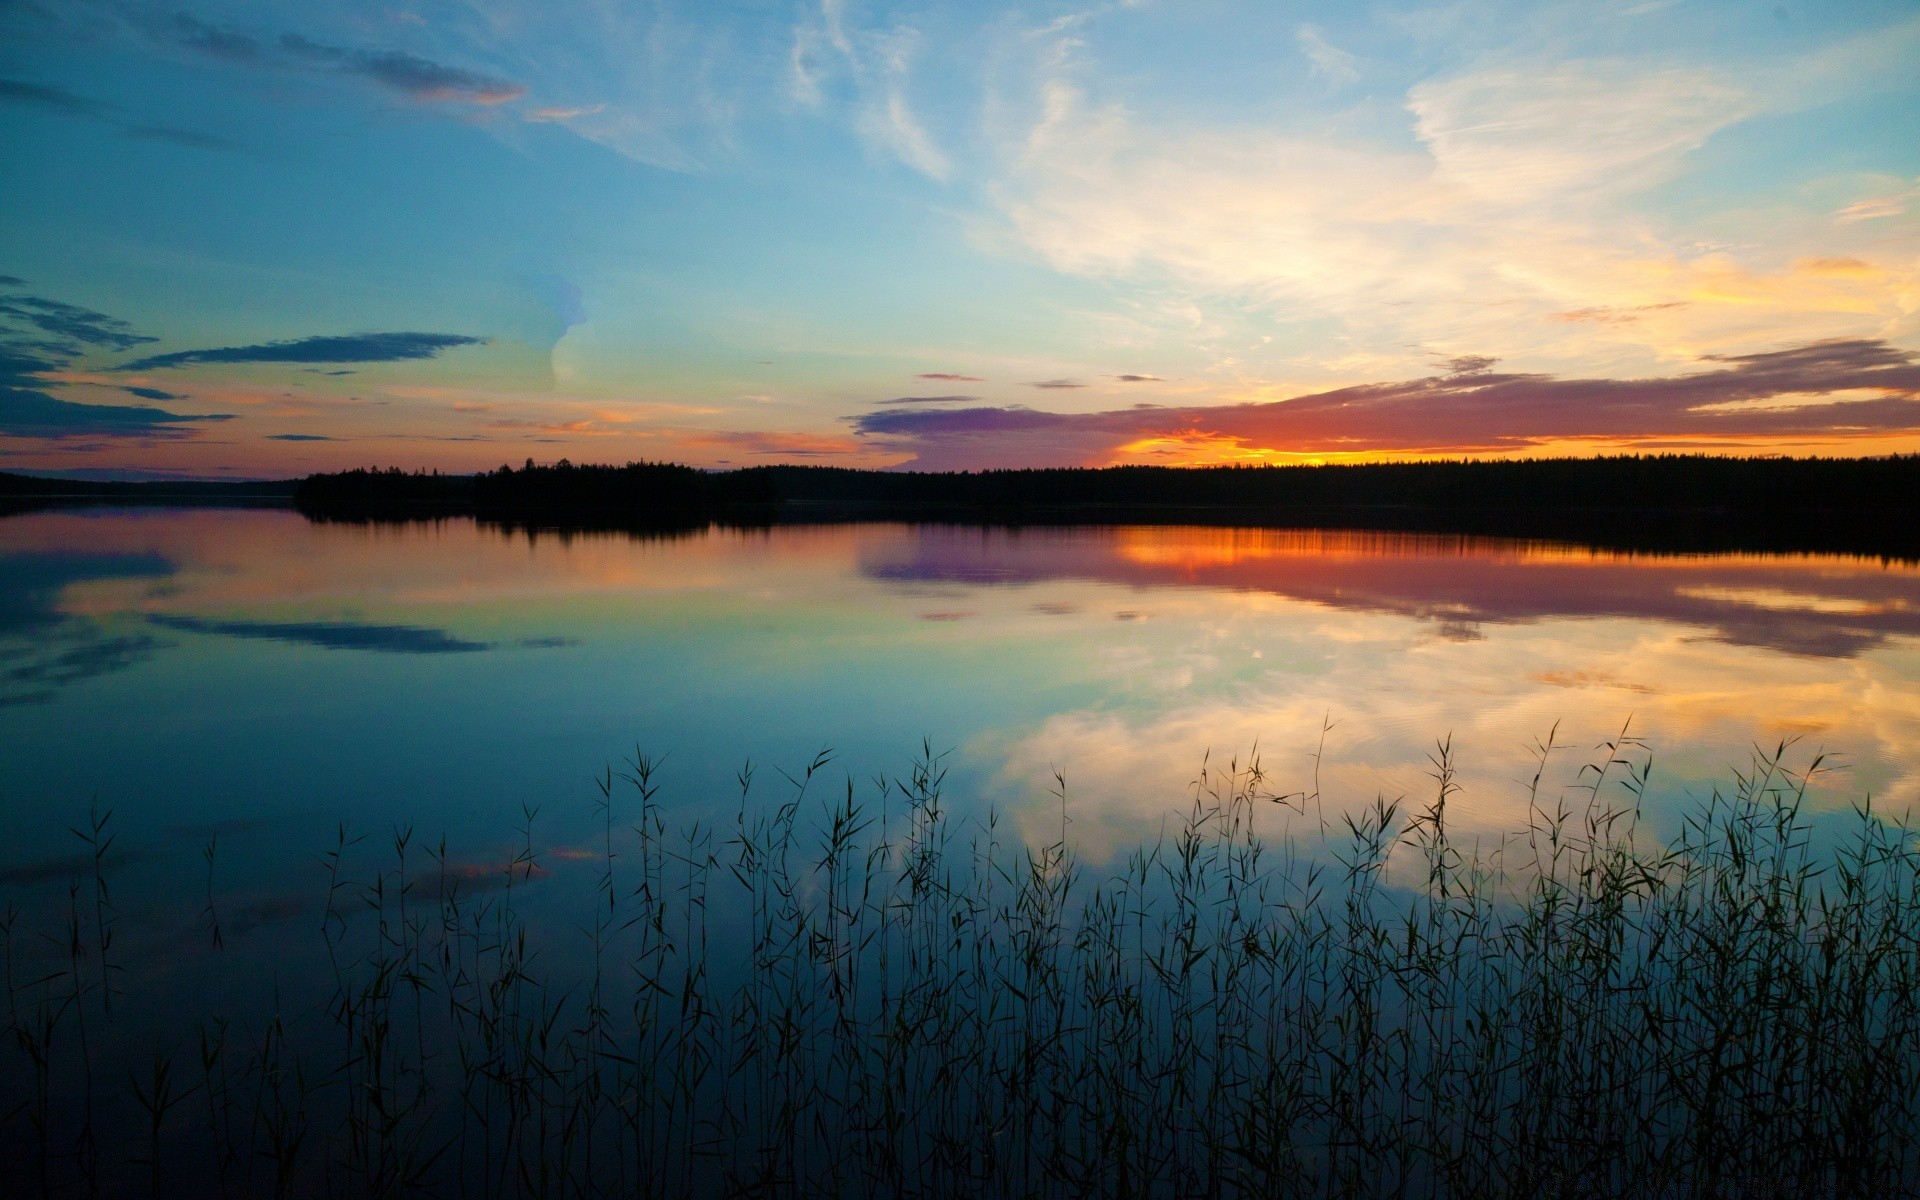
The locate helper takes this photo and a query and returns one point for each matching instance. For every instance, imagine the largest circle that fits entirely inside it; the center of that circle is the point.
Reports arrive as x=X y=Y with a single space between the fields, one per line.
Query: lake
x=272 y=782
x=249 y=670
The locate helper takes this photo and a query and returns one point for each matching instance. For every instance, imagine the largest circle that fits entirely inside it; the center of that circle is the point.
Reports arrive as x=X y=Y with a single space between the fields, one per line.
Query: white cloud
x=880 y=63
x=1526 y=134
x=1329 y=61
x=1514 y=207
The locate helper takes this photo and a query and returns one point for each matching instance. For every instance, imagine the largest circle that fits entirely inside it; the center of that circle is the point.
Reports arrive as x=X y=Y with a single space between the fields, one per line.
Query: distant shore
x=1665 y=503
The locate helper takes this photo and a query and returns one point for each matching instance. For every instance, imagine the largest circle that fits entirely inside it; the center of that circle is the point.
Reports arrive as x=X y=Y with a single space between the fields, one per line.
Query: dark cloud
x=297 y=437
x=72 y=322
x=27 y=355
x=1058 y=383
x=147 y=393
x=1470 y=364
x=354 y=347
x=12 y=281
x=228 y=45
x=29 y=412
x=1773 y=394
x=15 y=91
x=330 y=635
x=950 y=378
x=416 y=78
x=61 y=100
x=419 y=79
x=1138 y=378
x=931 y=400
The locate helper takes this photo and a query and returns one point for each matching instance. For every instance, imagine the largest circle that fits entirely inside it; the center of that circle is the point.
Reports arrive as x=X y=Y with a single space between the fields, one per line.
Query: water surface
x=252 y=675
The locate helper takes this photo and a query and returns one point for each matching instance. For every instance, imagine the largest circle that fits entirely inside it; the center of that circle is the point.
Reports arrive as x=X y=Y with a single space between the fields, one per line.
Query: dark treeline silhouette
x=1633 y=482
x=26 y=493
x=1666 y=503
x=1744 y=485
x=1662 y=503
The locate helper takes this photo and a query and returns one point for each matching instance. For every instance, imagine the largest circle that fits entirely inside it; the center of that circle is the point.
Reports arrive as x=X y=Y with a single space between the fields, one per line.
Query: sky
x=263 y=239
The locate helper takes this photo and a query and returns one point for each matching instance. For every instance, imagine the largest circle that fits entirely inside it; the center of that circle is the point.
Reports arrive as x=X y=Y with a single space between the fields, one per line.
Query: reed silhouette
x=851 y=991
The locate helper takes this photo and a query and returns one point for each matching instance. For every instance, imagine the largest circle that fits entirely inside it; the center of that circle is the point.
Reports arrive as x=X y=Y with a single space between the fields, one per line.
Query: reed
x=851 y=991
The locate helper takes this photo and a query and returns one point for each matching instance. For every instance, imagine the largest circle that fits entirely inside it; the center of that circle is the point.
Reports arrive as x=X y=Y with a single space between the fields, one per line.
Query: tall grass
x=850 y=991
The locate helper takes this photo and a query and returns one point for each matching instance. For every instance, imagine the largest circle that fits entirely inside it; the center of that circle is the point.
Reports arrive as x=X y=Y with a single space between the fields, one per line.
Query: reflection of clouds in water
x=1392 y=692
x=31 y=673
x=330 y=635
x=1821 y=607
x=42 y=649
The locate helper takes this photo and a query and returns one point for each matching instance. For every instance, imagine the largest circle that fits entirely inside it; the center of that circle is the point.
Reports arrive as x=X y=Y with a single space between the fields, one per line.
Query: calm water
x=255 y=676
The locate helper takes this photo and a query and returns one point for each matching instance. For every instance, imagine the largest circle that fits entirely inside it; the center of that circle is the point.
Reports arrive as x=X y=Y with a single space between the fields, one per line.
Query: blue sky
x=264 y=239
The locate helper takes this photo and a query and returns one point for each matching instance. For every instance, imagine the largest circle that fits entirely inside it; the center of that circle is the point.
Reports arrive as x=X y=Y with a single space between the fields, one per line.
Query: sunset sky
x=263 y=239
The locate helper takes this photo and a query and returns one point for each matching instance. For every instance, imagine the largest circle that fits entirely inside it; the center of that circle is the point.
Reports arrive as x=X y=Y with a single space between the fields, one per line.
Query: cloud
x=416 y=78
x=14 y=91
x=776 y=444
x=1525 y=134
x=1513 y=199
x=1839 y=389
x=1875 y=207
x=60 y=100
x=931 y=400
x=39 y=336
x=1329 y=62
x=147 y=393
x=329 y=635
x=72 y=322
x=880 y=65
x=950 y=378
x=1057 y=383
x=226 y=44
x=299 y=437
x=560 y=115
x=1138 y=378
x=31 y=413
x=355 y=347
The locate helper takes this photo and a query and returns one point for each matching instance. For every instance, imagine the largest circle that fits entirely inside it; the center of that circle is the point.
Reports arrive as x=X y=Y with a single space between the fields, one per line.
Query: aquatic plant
x=859 y=993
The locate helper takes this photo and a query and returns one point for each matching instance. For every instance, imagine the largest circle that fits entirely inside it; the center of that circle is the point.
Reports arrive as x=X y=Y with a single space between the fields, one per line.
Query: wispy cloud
x=354 y=348
x=1328 y=61
x=1056 y=384
x=416 y=78
x=1837 y=389
x=13 y=91
x=879 y=64
x=419 y=79
x=39 y=95
x=931 y=400
x=1512 y=203
x=950 y=378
